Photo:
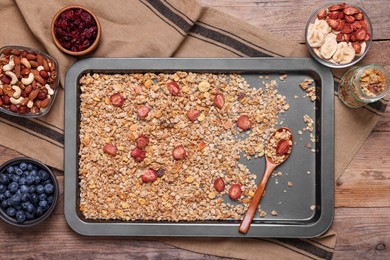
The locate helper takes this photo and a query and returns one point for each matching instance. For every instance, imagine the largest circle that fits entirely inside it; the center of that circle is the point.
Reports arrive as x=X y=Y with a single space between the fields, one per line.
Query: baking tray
x=304 y=210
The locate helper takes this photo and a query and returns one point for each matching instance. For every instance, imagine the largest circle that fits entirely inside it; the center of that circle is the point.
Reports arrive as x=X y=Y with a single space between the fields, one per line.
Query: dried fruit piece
x=341 y=25
x=340 y=15
x=143 y=111
x=357 y=47
x=322 y=14
x=142 y=141
x=193 y=115
x=350 y=10
x=244 y=123
x=179 y=152
x=173 y=88
x=235 y=191
x=361 y=34
x=282 y=147
x=138 y=154
x=347 y=28
x=117 y=100
x=333 y=15
x=110 y=149
x=332 y=23
x=349 y=18
x=219 y=100
x=336 y=7
x=219 y=184
x=359 y=16
x=356 y=25
x=149 y=175
x=340 y=37
x=368 y=35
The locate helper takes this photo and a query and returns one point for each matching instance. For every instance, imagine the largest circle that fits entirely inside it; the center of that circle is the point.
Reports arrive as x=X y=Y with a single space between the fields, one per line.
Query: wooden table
x=362 y=214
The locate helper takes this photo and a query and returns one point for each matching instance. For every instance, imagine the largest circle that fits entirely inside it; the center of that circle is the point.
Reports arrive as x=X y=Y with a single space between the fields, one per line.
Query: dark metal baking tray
x=304 y=210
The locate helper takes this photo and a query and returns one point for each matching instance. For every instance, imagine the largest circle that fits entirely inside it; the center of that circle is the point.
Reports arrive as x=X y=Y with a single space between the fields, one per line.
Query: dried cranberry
x=149 y=175
x=138 y=154
x=142 y=141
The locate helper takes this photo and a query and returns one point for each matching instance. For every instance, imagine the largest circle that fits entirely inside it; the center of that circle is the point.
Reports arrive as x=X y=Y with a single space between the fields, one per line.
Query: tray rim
x=196 y=229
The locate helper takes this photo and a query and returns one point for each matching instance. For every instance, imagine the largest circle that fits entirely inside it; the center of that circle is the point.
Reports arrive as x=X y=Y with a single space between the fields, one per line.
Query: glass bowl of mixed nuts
x=338 y=35
x=28 y=81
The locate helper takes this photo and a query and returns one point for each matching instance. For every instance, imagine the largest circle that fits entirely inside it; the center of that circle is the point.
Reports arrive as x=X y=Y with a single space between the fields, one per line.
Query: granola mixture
x=372 y=82
x=279 y=146
x=308 y=86
x=111 y=180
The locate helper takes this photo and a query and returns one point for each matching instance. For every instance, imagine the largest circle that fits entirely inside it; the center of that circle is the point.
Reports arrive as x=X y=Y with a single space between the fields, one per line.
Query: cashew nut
x=25 y=62
x=9 y=66
x=30 y=104
x=17 y=92
x=39 y=68
x=13 y=77
x=50 y=91
x=16 y=101
x=29 y=80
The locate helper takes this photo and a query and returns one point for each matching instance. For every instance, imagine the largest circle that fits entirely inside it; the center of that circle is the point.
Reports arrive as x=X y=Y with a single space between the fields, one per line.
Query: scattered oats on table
x=309 y=88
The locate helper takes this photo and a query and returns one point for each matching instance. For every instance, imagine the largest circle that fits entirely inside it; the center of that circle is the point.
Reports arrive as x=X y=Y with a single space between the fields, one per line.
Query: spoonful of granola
x=277 y=151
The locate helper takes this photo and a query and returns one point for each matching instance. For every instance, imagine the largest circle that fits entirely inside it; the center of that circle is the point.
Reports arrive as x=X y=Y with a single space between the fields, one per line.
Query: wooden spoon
x=270 y=166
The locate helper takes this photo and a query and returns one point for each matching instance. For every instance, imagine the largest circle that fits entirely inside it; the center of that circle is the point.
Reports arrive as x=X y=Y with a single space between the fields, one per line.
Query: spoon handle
x=247 y=220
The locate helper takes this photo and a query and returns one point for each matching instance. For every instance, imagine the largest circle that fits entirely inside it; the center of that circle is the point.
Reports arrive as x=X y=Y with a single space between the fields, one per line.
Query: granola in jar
x=363 y=85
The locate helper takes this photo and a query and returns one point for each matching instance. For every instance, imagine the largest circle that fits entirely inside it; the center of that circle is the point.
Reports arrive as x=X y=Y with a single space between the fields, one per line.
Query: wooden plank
x=366 y=181
x=288 y=18
x=362 y=233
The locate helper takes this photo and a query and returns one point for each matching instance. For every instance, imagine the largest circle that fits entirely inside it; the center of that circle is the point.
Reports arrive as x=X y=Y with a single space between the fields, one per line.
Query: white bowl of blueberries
x=28 y=192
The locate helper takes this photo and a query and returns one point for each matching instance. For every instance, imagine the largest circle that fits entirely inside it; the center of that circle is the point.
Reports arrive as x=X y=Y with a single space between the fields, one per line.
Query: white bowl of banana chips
x=338 y=35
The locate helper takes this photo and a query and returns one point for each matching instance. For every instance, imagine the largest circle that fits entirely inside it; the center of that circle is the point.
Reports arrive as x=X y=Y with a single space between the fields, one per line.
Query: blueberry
x=13 y=187
x=5 y=203
x=42 y=196
x=25 y=197
x=20 y=216
x=43 y=203
x=22 y=181
x=30 y=167
x=37 y=179
x=29 y=207
x=29 y=215
x=44 y=175
x=2 y=197
x=18 y=171
x=25 y=173
x=10 y=169
x=4 y=179
x=11 y=212
x=31 y=189
x=23 y=189
x=15 y=200
x=49 y=188
x=39 y=211
x=7 y=194
x=15 y=178
x=23 y=166
x=50 y=199
x=40 y=189
x=34 y=198
x=3 y=188
x=29 y=179
x=47 y=181
x=33 y=173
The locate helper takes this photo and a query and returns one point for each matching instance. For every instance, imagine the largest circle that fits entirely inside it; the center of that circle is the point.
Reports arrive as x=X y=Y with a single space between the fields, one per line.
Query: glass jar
x=363 y=85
